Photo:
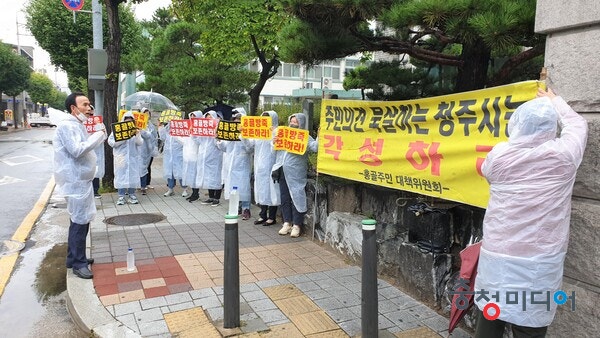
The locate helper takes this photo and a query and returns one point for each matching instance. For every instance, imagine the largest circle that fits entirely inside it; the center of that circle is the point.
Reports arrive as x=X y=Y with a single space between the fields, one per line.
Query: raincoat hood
x=533 y=123
x=211 y=113
x=127 y=114
x=196 y=113
x=301 y=120
x=274 y=117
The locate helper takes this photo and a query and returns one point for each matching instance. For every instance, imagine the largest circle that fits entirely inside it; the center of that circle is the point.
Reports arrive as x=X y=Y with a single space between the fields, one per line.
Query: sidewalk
x=288 y=287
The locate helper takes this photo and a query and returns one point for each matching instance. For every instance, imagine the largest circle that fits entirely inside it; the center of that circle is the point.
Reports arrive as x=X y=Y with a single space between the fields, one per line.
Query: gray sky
x=12 y=12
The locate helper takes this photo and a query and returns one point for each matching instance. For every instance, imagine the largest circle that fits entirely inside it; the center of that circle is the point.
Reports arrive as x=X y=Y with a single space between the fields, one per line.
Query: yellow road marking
x=7 y=263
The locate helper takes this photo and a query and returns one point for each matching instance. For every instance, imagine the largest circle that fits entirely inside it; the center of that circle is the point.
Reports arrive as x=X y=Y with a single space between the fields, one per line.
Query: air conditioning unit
x=327 y=82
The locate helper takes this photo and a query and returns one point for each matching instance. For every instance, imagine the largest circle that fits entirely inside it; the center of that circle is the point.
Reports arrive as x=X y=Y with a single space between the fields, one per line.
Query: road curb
x=7 y=263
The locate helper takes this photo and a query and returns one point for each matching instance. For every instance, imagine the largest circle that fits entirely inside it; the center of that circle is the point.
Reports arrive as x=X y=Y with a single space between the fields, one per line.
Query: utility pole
x=22 y=106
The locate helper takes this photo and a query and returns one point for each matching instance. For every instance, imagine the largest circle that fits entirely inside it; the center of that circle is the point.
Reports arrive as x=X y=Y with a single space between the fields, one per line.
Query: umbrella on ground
x=223 y=108
x=151 y=100
x=468 y=272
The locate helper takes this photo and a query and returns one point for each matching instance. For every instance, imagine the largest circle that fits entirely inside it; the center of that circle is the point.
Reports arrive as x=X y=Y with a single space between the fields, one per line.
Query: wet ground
x=34 y=301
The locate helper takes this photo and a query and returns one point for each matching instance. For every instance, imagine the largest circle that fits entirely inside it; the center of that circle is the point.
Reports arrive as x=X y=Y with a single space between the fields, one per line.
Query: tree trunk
x=113 y=50
x=254 y=93
x=15 y=112
x=473 y=73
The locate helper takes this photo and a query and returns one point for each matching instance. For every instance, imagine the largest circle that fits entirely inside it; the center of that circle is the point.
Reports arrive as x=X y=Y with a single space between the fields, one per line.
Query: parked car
x=35 y=120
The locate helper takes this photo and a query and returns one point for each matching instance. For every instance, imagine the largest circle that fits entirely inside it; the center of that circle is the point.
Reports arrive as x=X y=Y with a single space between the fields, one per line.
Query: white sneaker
x=133 y=200
x=184 y=193
x=121 y=200
x=285 y=229
x=169 y=193
x=295 y=231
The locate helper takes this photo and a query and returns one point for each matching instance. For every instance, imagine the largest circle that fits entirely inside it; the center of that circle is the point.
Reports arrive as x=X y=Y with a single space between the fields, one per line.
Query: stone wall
x=572 y=30
x=419 y=253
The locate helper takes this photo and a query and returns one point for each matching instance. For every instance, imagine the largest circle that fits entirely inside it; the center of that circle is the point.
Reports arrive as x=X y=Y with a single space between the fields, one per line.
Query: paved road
x=25 y=168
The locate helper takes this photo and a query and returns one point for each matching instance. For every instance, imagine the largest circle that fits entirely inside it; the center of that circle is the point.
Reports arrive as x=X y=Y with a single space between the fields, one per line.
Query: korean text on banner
x=203 y=126
x=257 y=127
x=433 y=146
x=91 y=122
x=123 y=130
x=179 y=128
x=170 y=114
x=229 y=131
x=292 y=140
x=141 y=119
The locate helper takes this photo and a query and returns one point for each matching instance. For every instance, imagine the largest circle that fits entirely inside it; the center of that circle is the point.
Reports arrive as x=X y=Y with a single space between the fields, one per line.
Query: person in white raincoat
x=74 y=169
x=209 y=165
x=190 y=161
x=148 y=152
x=172 y=160
x=238 y=170
x=265 y=193
x=292 y=177
x=127 y=163
x=526 y=225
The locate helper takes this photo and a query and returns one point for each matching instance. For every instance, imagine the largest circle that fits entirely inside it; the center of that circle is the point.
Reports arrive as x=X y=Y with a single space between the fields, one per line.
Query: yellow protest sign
x=292 y=140
x=257 y=127
x=433 y=146
x=141 y=119
x=170 y=114
x=123 y=130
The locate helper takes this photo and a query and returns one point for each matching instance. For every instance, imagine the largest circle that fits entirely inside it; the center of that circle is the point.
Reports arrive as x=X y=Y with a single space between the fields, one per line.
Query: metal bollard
x=231 y=274
x=369 y=301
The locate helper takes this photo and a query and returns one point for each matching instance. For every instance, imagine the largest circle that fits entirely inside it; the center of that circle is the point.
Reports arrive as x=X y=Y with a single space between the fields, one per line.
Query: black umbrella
x=223 y=108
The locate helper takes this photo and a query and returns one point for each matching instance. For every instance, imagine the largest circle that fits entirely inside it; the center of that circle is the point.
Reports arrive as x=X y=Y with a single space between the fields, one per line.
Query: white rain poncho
x=238 y=169
x=190 y=157
x=75 y=166
x=127 y=159
x=264 y=159
x=172 y=154
x=295 y=167
x=150 y=148
x=526 y=226
x=210 y=160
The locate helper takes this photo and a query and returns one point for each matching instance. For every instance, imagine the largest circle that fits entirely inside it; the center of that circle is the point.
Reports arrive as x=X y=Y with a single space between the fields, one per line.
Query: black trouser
x=149 y=174
x=288 y=210
x=96 y=185
x=268 y=212
x=495 y=329
x=76 y=257
x=214 y=193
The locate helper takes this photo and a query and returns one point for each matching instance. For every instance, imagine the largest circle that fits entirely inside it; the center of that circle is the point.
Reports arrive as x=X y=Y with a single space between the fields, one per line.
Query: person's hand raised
x=543 y=93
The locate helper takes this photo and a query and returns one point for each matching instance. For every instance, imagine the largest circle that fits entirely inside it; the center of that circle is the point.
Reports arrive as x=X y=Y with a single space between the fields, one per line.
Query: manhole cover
x=135 y=219
x=9 y=246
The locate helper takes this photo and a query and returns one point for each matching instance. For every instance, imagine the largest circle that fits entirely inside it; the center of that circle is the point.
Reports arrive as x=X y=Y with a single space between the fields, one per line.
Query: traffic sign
x=73 y=5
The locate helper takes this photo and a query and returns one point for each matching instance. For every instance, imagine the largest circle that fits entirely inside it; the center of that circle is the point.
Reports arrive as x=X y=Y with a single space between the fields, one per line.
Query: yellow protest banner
x=229 y=131
x=170 y=114
x=433 y=146
x=257 y=127
x=123 y=130
x=292 y=140
x=141 y=119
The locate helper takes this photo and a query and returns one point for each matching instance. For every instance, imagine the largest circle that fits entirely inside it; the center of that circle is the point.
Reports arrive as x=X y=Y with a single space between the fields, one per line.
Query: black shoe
x=84 y=273
x=193 y=198
x=269 y=222
x=260 y=221
x=89 y=261
x=208 y=201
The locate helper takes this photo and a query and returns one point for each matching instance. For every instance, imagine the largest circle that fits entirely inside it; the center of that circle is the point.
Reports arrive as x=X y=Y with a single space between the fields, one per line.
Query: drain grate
x=135 y=219
x=8 y=247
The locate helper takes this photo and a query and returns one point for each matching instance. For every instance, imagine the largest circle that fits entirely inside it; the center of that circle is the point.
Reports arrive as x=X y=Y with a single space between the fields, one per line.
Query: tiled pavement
x=289 y=287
